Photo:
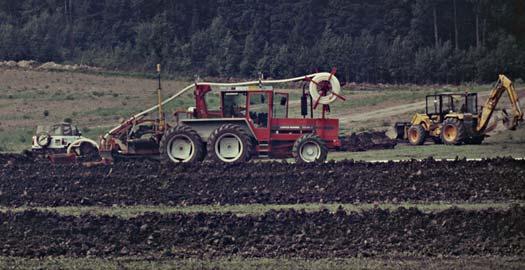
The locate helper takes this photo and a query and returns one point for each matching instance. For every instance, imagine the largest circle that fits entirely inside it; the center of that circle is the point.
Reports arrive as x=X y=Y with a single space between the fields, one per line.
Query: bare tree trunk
x=477 y=30
x=436 y=37
x=456 y=26
x=484 y=32
x=65 y=12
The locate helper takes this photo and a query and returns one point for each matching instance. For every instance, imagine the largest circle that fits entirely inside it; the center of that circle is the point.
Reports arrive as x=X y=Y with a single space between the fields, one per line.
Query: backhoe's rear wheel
x=417 y=135
x=452 y=131
x=181 y=144
x=309 y=148
x=230 y=143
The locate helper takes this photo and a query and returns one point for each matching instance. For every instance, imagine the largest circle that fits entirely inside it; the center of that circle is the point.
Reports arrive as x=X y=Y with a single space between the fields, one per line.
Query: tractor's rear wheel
x=309 y=148
x=417 y=135
x=181 y=144
x=452 y=131
x=230 y=143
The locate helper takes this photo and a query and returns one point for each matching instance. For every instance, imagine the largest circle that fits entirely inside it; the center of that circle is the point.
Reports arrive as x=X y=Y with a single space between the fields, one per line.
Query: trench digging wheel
x=453 y=132
x=417 y=135
x=231 y=144
x=309 y=148
x=181 y=144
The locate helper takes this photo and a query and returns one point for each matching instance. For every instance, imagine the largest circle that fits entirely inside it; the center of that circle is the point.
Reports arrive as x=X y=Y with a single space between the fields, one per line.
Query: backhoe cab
x=454 y=118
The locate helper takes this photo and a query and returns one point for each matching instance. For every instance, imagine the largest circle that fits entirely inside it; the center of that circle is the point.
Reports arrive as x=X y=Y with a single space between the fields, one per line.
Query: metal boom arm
x=503 y=84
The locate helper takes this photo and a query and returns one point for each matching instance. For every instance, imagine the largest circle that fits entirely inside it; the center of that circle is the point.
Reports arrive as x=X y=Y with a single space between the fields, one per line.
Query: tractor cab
x=254 y=104
x=440 y=105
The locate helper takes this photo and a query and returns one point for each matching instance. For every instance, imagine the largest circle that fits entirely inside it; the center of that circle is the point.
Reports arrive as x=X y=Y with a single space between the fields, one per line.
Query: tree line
x=391 y=41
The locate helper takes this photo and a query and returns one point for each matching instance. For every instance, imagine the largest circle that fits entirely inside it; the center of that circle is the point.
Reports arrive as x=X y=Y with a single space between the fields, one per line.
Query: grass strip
x=254 y=209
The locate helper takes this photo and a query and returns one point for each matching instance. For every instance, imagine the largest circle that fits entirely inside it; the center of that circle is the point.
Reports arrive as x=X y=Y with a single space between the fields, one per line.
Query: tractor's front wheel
x=181 y=144
x=309 y=148
x=417 y=135
x=452 y=131
x=230 y=143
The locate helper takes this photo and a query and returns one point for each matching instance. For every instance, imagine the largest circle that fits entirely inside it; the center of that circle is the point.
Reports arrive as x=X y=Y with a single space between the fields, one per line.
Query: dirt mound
x=31 y=64
x=132 y=183
x=274 y=234
x=367 y=141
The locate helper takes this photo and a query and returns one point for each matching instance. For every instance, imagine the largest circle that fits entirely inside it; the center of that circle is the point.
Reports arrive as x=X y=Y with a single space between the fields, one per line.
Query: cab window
x=259 y=109
x=280 y=105
x=56 y=130
x=234 y=104
x=433 y=105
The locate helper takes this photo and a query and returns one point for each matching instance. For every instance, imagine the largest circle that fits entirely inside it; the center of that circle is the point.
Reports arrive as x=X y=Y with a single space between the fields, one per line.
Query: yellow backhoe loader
x=454 y=118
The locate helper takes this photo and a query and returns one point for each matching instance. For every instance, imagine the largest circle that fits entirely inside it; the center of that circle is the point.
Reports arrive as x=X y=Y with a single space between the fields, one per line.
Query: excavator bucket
x=510 y=122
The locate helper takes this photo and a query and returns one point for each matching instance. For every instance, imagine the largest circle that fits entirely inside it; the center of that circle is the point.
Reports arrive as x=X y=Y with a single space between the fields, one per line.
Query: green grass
x=238 y=263
x=501 y=144
x=255 y=209
x=43 y=95
x=407 y=152
x=15 y=140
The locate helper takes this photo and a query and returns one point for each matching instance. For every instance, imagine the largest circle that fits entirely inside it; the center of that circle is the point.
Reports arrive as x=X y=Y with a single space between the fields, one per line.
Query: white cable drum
x=334 y=82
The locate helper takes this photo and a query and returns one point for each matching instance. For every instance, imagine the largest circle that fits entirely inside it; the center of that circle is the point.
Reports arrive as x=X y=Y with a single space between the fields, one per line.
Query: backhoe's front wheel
x=181 y=144
x=417 y=135
x=309 y=148
x=230 y=143
x=452 y=132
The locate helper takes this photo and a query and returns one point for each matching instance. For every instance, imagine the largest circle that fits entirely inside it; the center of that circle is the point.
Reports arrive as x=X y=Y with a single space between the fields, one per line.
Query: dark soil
x=132 y=183
x=364 y=141
x=276 y=233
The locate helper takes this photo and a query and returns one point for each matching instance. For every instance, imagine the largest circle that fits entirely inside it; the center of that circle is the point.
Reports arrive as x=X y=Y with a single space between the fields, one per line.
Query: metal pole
x=159 y=97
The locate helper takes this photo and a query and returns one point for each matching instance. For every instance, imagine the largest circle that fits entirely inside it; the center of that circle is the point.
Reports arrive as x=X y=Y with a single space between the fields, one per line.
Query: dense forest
x=393 y=41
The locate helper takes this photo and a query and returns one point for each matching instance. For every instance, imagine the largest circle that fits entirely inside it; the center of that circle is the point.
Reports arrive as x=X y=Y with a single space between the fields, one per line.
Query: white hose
x=334 y=82
x=336 y=88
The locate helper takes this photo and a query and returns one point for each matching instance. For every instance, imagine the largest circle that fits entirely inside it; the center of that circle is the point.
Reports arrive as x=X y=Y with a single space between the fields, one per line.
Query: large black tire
x=86 y=149
x=189 y=143
x=319 y=151
x=244 y=145
x=453 y=131
x=417 y=135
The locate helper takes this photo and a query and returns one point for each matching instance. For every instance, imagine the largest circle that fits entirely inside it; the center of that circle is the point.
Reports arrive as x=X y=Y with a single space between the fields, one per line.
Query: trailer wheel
x=452 y=132
x=181 y=144
x=309 y=148
x=230 y=143
x=417 y=135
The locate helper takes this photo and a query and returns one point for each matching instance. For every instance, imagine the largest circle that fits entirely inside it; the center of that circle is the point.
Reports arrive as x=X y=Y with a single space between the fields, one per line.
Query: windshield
x=58 y=130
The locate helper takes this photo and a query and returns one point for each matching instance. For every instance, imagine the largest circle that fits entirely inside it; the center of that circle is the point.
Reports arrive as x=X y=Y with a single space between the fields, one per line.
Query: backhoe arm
x=503 y=84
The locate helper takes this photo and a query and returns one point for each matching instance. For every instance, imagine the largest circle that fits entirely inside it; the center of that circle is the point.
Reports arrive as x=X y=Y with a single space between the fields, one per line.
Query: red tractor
x=251 y=122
